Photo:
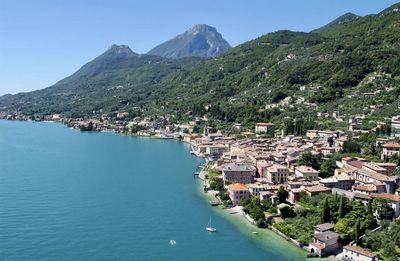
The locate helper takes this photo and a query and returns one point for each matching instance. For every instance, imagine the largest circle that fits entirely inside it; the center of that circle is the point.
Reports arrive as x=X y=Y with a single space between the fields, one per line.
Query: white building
x=266 y=127
x=306 y=172
x=396 y=126
x=356 y=253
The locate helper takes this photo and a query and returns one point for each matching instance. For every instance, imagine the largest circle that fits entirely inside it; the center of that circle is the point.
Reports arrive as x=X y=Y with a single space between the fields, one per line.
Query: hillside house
x=265 y=127
x=390 y=149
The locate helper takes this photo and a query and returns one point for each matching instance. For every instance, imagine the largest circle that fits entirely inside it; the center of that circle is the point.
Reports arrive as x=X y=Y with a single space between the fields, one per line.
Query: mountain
x=347 y=17
x=277 y=76
x=201 y=40
x=116 y=78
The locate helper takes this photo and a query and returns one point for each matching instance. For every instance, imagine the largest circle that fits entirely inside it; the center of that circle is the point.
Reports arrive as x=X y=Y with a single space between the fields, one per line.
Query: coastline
x=264 y=238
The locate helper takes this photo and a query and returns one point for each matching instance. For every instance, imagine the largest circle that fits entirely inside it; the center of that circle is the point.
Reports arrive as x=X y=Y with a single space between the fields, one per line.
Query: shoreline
x=264 y=238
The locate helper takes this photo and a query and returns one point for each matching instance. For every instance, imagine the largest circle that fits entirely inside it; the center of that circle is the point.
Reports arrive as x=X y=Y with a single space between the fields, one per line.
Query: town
x=322 y=191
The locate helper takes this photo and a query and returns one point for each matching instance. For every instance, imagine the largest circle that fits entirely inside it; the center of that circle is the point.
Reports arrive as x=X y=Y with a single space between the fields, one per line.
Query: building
x=356 y=253
x=237 y=173
x=306 y=172
x=323 y=228
x=237 y=192
x=215 y=150
x=394 y=201
x=396 y=126
x=370 y=177
x=294 y=195
x=369 y=188
x=324 y=243
x=390 y=149
x=262 y=166
x=374 y=167
x=383 y=168
x=340 y=181
x=390 y=167
x=315 y=190
x=255 y=189
x=277 y=173
x=265 y=127
x=322 y=135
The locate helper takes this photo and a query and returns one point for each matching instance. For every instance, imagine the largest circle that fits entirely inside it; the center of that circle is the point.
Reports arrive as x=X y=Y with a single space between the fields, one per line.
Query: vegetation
x=351 y=218
x=327 y=168
x=310 y=160
x=282 y=194
x=351 y=147
x=386 y=240
x=255 y=209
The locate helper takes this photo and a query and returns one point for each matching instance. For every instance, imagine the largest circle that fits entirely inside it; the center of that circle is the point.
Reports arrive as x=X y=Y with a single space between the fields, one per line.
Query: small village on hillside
x=329 y=192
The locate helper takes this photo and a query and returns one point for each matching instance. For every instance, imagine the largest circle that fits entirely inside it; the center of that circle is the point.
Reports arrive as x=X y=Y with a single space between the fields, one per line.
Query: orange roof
x=237 y=187
x=388 y=196
x=391 y=145
x=264 y=124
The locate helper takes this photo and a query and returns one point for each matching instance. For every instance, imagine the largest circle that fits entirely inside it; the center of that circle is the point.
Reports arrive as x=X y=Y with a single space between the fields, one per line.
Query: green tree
x=282 y=194
x=369 y=207
x=351 y=147
x=308 y=159
x=342 y=207
x=326 y=212
x=384 y=211
x=328 y=168
x=217 y=184
x=357 y=232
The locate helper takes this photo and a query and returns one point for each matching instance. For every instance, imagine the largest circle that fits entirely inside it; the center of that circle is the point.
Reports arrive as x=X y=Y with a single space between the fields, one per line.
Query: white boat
x=210 y=228
x=172 y=242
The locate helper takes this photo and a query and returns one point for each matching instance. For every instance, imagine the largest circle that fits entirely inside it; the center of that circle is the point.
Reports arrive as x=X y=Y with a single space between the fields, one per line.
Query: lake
x=70 y=195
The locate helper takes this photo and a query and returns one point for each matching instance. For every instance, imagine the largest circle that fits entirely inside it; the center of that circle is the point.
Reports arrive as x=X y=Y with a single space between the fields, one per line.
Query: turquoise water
x=68 y=195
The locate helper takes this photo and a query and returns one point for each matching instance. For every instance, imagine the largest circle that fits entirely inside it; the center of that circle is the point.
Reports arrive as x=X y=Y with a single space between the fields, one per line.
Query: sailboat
x=210 y=228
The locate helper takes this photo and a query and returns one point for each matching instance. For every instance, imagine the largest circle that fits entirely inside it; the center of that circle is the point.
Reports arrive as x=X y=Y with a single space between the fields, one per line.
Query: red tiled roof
x=237 y=187
x=356 y=163
x=388 y=196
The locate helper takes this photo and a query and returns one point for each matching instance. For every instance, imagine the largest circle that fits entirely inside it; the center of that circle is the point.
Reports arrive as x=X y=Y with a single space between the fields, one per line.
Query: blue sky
x=42 y=42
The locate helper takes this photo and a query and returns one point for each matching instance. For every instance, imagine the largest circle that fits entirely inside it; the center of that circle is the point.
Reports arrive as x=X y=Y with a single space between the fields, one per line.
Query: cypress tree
x=341 y=207
x=357 y=231
x=369 y=207
x=326 y=212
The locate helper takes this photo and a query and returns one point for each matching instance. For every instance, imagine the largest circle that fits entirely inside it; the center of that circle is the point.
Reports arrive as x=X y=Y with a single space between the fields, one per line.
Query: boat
x=255 y=232
x=209 y=228
x=172 y=242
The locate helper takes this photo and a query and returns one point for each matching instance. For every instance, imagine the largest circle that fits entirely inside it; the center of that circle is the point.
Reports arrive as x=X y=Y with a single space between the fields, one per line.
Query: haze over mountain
x=201 y=40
